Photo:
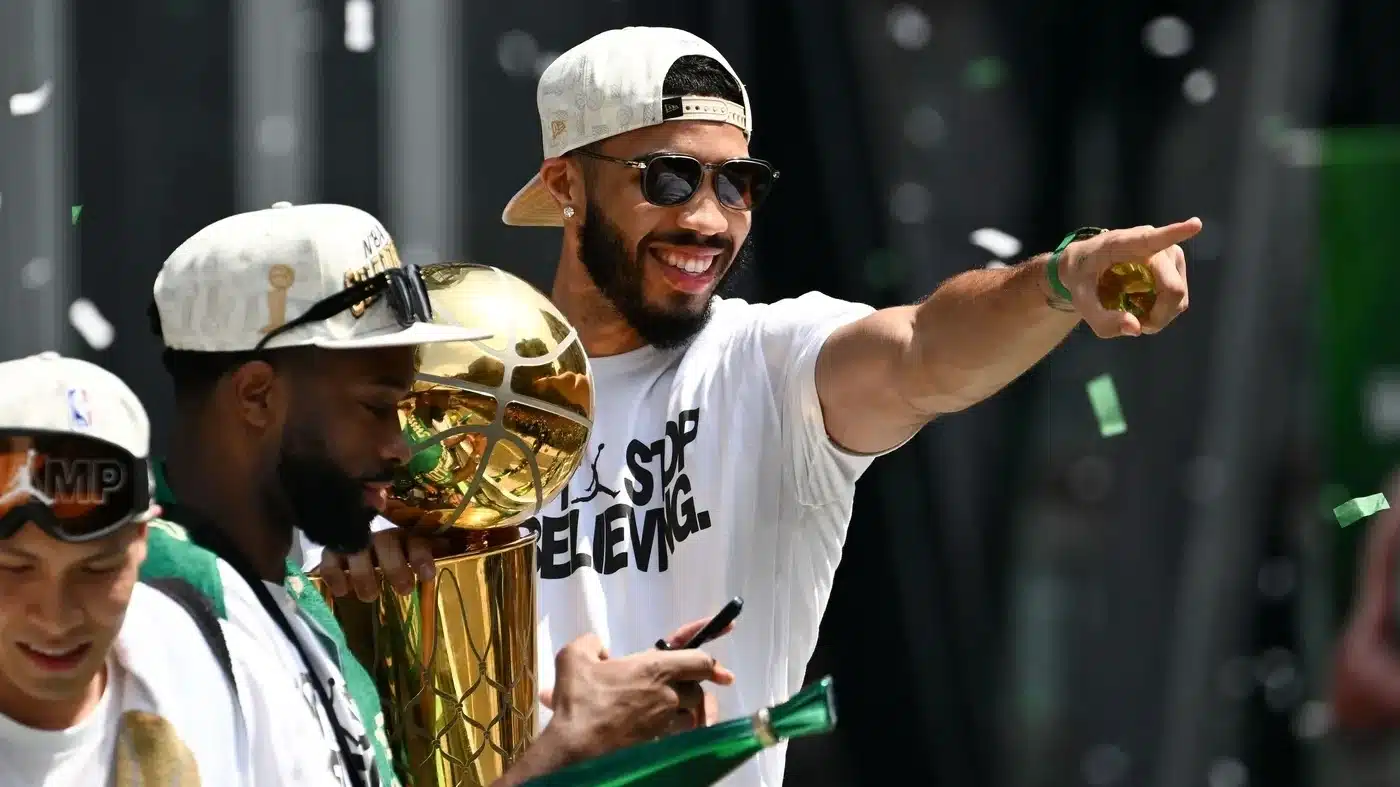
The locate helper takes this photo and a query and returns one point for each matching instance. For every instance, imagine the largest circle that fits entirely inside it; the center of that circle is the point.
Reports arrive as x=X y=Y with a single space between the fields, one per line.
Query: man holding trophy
x=292 y=335
x=729 y=436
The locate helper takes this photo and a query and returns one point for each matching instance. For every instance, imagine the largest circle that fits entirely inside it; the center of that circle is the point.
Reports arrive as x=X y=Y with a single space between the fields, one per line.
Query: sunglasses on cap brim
x=402 y=288
x=671 y=179
x=75 y=488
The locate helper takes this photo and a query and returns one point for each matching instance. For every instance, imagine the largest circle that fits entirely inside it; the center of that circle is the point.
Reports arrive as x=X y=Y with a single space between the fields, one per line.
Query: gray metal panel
x=422 y=85
x=276 y=73
x=37 y=272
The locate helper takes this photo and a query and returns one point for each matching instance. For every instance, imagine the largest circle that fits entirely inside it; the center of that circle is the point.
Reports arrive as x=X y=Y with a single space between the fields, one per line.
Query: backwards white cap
x=609 y=85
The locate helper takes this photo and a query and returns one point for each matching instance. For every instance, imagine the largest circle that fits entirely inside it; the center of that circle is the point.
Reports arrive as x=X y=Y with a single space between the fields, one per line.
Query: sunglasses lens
x=742 y=185
x=671 y=180
x=87 y=486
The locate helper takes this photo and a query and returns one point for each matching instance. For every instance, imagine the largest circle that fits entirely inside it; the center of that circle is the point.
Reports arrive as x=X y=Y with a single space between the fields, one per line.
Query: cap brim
x=533 y=206
x=417 y=333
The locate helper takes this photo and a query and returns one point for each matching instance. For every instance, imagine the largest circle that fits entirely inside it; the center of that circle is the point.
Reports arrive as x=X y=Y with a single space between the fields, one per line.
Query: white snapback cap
x=48 y=392
x=609 y=85
x=246 y=275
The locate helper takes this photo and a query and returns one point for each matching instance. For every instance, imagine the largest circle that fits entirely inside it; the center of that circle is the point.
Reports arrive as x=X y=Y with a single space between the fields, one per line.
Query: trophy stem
x=454 y=661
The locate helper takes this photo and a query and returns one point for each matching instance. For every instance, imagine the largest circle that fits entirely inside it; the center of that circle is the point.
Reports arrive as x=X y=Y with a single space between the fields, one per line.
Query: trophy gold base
x=454 y=661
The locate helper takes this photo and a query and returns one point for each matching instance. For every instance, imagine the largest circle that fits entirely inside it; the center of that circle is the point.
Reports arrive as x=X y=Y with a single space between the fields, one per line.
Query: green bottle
x=702 y=757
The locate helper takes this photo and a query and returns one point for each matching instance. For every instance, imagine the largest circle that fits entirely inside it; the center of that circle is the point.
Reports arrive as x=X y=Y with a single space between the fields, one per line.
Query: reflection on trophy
x=497 y=427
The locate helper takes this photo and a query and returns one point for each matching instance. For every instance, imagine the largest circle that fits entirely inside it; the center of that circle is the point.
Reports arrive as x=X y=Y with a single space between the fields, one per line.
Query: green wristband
x=1052 y=268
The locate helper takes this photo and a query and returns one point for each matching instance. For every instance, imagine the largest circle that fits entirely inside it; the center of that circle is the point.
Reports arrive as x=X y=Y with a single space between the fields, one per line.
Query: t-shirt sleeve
x=791 y=335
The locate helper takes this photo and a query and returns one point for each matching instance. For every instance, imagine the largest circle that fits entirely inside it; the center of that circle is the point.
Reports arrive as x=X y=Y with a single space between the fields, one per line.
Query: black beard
x=618 y=274
x=327 y=503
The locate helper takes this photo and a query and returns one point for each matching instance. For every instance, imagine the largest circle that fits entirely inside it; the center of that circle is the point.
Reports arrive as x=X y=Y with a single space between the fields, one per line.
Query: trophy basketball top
x=496 y=426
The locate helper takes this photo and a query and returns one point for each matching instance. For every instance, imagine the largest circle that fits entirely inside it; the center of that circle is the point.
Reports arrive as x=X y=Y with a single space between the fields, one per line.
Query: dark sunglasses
x=75 y=488
x=406 y=293
x=671 y=179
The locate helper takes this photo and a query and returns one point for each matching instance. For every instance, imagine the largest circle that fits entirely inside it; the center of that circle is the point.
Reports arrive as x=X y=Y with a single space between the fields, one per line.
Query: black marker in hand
x=711 y=630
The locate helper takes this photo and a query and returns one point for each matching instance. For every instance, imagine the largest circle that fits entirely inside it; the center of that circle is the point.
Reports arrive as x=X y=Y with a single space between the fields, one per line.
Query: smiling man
x=291 y=336
x=728 y=436
x=95 y=668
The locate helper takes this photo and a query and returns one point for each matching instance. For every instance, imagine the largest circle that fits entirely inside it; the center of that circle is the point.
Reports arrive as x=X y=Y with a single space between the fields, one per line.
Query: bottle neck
x=763 y=729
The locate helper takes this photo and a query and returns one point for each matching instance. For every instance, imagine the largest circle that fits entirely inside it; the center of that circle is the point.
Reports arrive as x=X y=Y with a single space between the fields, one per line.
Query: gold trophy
x=1128 y=287
x=497 y=426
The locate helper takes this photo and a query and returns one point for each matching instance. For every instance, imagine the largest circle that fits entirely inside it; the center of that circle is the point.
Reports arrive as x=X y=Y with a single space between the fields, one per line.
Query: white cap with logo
x=609 y=85
x=50 y=393
x=244 y=276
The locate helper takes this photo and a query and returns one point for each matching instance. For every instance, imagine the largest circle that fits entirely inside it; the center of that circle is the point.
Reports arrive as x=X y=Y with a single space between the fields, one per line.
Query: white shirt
x=275 y=686
x=166 y=703
x=709 y=475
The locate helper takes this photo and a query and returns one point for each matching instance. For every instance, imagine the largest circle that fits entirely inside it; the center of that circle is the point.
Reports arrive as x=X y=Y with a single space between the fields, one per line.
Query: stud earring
x=568 y=212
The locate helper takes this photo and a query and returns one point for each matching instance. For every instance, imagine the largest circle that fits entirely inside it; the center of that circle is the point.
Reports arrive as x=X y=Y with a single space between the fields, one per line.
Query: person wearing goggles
x=97 y=670
x=290 y=338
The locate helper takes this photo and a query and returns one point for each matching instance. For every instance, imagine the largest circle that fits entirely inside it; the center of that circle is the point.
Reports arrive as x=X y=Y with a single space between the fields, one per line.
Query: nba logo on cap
x=78 y=411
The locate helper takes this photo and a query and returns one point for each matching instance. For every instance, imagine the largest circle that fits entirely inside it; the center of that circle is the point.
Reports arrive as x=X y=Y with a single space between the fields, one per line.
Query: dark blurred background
x=1022 y=603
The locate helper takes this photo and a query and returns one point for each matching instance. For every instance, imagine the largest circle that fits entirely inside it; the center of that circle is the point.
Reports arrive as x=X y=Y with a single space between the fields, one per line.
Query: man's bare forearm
x=982 y=329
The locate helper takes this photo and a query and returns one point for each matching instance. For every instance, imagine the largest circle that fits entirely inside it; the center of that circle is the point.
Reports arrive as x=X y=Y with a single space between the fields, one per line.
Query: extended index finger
x=1150 y=240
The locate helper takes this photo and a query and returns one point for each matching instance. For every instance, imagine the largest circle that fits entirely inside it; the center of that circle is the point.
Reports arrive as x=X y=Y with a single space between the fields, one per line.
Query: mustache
x=692 y=239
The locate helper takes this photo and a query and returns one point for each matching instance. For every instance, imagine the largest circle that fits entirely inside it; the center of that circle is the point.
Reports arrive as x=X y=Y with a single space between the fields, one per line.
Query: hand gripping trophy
x=497 y=427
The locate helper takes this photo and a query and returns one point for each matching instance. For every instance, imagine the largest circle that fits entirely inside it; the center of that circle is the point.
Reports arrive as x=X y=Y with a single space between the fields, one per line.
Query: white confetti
x=1383 y=404
x=90 y=324
x=1312 y=720
x=924 y=127
x=22 y=104
x=909 y=27
x=544 y=61
x=517 y=53
x=1199 y=86
x=996 y=241
x=911 y=203
x=359 y=25
x=1301 y=147
x=1167 y=36
x=36 y=273
x=277 y=135
x=1227 y=772
x=1104 y=765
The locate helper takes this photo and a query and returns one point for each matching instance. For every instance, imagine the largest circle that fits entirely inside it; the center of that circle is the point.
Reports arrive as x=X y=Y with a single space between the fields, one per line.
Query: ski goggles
x=671 y=179
x=403 y=288
x=75 y=488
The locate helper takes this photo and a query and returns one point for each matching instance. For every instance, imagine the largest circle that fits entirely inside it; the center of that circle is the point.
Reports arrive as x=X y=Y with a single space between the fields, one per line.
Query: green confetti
x=985 y=73
x=1360 y=508
x=77 y=211
x=1104 y=399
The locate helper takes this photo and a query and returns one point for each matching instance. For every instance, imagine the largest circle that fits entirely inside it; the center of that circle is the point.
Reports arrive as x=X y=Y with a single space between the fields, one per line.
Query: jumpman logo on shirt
x=597 y=485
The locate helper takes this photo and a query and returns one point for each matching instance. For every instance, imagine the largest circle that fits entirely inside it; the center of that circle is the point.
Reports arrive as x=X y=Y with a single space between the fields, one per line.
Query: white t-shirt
x=167 y=709
x=709 y=475
x=274 y=684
